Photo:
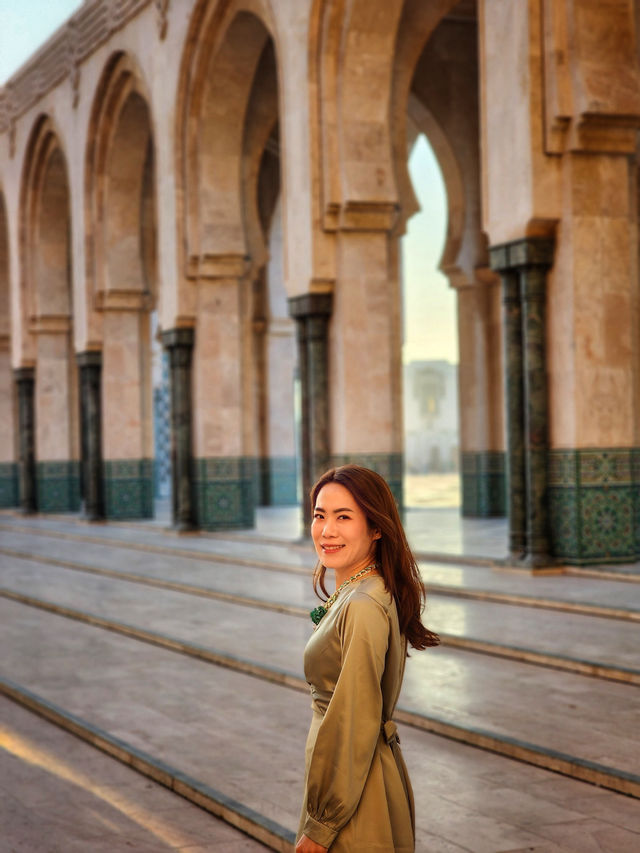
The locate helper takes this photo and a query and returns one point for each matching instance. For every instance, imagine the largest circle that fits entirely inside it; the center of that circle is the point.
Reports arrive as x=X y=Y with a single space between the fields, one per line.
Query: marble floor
x=189 y=648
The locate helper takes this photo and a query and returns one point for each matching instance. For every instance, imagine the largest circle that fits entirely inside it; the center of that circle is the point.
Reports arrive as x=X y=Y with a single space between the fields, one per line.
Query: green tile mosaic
x=128 y=488
x=388 y=465
x=58 y=486
x=278 y=481
x=9 y=493
x=483 y=484
x=594 y=505
x=225 y=492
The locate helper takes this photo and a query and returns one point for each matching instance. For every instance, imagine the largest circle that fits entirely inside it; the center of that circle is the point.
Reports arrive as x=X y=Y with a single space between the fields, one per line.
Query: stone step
x=58 y=793
x=488 y=712
x=244 y=738
x=569 y=641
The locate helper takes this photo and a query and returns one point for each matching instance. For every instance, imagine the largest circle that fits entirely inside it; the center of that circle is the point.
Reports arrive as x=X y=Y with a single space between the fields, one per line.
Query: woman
x=358 y=797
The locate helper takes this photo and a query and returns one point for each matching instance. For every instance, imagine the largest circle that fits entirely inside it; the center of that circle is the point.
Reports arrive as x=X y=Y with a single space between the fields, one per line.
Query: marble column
x=523 y=266
x=25 y=380
x=311 y=312
x=179 y=344
x=90 y=370
x=533 y=259
x=513 y=387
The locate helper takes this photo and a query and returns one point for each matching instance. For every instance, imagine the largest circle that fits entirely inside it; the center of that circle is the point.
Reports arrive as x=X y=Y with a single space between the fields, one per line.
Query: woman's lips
x=331 y=549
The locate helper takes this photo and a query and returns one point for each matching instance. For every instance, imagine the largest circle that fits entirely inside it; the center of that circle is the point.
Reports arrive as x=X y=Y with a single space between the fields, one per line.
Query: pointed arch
x=228 y=45
x=47 y=318
x=120 y=169
x=122 y=289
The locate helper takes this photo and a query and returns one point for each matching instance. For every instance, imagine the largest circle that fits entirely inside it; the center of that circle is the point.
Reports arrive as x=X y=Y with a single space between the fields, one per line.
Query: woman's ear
x=377 y=534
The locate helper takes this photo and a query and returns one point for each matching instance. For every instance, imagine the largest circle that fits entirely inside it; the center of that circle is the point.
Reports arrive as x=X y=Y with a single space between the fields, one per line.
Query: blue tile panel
x=279 y=481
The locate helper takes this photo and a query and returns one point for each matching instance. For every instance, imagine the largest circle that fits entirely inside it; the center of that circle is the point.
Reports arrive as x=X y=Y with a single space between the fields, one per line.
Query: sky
x=429 y=304
x=430 y=321
x=25 y=25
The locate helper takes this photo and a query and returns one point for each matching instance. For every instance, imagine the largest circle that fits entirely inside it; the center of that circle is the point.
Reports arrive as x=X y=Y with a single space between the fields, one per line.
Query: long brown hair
x=397 y=565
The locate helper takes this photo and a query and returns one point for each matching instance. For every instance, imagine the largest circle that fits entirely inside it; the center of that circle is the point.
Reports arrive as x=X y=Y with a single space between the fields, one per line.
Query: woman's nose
x=329 y=527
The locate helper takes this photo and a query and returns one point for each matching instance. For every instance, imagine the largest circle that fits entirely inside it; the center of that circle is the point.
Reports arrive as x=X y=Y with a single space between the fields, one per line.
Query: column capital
x=89 y=358
x=180 y=337
x=525 y=252
x=311 y=304
x=24 y=374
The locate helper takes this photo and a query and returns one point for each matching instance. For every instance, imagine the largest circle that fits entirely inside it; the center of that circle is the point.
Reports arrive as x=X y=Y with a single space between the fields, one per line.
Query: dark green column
x=312 y=312
x=523 y=266
x=25 y=380
x=533 y=259
x=179 y=344
x=90 y=369
x=514 y=403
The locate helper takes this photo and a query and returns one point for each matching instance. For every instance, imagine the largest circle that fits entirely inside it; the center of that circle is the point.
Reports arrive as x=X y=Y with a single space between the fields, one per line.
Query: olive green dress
x=358 y=797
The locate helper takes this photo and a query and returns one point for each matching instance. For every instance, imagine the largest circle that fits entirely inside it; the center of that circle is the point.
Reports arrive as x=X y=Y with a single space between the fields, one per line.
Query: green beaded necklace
x=318 y=612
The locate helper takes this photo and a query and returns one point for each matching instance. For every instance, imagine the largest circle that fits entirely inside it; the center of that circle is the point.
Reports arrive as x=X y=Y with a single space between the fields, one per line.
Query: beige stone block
x=218 y=366
x=599 y=185
x=364 y=365
x=521 y=185
x=123 y=387
x=604 y=408
x=7 y=400
x=53 y=399
x=281 y=362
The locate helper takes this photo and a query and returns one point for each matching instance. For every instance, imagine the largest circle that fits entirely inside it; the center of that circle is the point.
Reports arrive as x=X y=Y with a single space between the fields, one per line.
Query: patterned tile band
x=483 y=484
x=594 y=502
x=58 y=486
x=226 y=492
x=128 y=488
x=9 y=495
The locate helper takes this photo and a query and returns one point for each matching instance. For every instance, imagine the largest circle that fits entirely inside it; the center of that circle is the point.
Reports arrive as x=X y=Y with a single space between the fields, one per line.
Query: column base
x=58 y=486
x=128 y=488
x=484 y=486
x=225 y=492
x=594 y=505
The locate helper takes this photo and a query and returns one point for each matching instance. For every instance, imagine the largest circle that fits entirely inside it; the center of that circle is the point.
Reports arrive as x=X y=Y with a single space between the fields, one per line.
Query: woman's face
x=343 y=540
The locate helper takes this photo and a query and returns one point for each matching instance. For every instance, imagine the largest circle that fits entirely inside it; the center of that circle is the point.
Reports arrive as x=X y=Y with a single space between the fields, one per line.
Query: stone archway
x=47 y=309
x=122 y=288
x=443 y=103
x=228 y=118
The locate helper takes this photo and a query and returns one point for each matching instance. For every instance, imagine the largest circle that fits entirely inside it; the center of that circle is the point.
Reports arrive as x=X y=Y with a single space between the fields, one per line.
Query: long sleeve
x=350 y=728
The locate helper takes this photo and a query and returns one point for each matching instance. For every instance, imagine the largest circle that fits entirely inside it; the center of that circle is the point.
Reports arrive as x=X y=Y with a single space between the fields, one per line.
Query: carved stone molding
x=61 y=56
x=162 y=13
x=591 y=76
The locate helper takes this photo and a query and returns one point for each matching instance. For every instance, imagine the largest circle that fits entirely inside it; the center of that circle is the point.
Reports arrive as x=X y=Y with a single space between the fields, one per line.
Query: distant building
x=431 y=417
